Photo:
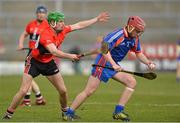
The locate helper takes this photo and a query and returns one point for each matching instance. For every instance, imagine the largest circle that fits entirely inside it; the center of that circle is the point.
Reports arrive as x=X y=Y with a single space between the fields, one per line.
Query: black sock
x=38 y=95
x=27 y=96
x=10 y=112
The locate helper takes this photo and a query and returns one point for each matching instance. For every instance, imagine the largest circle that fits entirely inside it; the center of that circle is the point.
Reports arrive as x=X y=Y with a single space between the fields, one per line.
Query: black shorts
x=34 y=67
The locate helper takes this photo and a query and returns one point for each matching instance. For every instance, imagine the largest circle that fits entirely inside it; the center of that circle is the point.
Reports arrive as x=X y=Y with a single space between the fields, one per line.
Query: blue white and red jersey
x=119 y=44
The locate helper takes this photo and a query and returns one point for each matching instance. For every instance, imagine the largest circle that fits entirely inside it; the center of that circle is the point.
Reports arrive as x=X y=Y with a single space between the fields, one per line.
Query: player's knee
x=23 y=91
x=131 y=83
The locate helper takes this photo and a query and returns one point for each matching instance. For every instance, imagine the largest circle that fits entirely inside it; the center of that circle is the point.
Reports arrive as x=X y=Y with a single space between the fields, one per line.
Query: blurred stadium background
x=158 y=102
x=162 y=18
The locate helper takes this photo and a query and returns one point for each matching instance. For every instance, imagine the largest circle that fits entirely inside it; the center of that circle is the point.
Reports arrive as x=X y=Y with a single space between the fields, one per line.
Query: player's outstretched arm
x=145 y=60
x=102 y=17
x=21 y=40
x=53 y=50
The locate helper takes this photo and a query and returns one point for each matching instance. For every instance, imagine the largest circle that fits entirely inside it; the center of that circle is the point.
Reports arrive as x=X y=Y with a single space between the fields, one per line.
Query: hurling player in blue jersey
x=119 y=42
x=178 y=61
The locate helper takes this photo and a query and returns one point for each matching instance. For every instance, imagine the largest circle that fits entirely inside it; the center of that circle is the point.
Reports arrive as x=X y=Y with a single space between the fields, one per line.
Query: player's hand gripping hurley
x=149 y=75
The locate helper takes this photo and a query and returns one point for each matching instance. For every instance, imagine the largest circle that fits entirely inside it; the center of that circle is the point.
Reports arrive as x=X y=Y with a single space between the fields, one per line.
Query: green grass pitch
x=153 y=101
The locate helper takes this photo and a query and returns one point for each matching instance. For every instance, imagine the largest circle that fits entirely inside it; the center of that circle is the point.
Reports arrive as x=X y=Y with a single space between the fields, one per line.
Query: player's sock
x=11 y=112
x=39 y=99
x=26 y=100
x=8 y=114
x=27 y=96
x=69 y=115
x=70 y=112
x=38 y=94
x=118 y=108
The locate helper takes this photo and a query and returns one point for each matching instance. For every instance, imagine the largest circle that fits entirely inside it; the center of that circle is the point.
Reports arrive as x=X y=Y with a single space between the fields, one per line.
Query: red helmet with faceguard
x=137 y=22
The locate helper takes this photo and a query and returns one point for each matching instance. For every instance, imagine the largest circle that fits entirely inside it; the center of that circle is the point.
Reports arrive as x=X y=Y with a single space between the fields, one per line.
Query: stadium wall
x=66 y=67
x=162 y=18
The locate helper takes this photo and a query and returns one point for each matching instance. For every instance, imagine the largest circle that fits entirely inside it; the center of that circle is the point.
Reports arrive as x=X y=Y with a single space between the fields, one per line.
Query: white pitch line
x=136 y=104
x=112 y=103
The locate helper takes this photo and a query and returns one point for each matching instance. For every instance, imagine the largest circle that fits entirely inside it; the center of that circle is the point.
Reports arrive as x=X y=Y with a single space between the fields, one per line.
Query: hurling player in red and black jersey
x=41 y=59
x=33 y=30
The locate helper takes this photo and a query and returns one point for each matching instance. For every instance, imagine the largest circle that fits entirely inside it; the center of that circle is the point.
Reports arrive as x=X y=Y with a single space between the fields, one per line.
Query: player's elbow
x=53 y=52
x=52 y=49
x=58 y=53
